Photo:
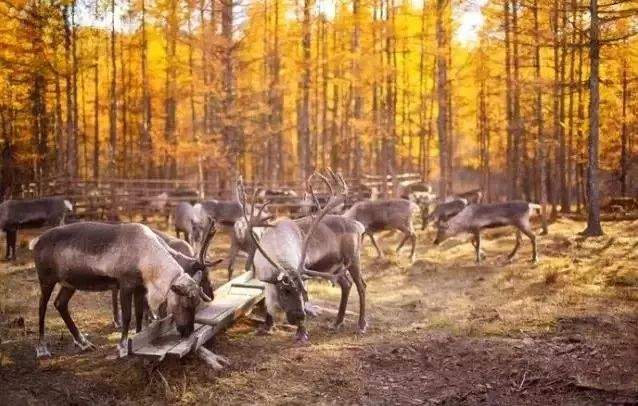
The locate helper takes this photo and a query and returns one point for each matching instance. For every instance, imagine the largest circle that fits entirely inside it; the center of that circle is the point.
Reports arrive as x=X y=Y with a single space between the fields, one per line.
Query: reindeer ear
x=184 y=285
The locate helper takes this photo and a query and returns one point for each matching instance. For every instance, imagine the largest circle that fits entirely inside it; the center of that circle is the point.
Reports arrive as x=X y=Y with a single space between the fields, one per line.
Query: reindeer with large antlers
x=320 y=246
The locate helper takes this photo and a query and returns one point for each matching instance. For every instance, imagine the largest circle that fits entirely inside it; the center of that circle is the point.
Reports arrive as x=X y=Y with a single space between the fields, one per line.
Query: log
x=213 y=360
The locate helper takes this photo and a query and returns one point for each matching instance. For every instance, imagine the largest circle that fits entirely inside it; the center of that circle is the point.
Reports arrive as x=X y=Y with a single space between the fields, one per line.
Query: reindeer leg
x=301 y=337
x=231 y=260
x=518 y=244
x=41 y=349
x=116 y=310
x=345 y=285
x=477 y=245
x=11 y=244
x=7 y=255
x=355 y=272
x=266 y=328
x=374 y=242
x=62 y=304
x=126 y=297
x=139 y=303
x=530 y=234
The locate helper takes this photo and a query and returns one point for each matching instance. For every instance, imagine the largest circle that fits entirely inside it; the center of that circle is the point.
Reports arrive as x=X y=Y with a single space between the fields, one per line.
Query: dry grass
x=578 y=286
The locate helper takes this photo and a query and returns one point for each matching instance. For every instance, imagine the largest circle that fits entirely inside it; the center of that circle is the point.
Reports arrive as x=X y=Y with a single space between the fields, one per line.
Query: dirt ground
x=441 y=331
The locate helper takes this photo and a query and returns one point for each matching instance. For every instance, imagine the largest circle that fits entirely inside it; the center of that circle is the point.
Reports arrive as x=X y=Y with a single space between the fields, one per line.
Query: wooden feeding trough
x=232 y=300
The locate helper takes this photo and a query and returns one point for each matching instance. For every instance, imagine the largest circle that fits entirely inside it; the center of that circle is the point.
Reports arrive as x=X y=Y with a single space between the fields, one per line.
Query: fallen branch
x=213 y=360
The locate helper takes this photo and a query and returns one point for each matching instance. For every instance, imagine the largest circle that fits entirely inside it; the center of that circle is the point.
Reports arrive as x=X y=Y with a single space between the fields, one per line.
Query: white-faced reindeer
x=476 y=217
x=99 y=257
x=323 y=245
x=385 y=214
x=35 y=213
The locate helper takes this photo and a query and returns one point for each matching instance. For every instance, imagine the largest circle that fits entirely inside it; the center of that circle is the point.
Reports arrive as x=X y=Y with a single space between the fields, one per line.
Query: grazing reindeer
x=99 y=257
x=185 y=217
x=323 y=246
x=184 y=254
x=21 y=214
x=385 y=214
x=475 y=217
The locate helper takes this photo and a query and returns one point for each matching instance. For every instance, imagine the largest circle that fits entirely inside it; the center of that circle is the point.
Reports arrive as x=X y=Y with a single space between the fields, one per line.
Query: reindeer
x=21 y=214
x=475 y=217
x=241 y=241
x=325 y=246
x=185 y=217
x=184 y=254
x=227 y=213
x=385 y=214
x=98 y=257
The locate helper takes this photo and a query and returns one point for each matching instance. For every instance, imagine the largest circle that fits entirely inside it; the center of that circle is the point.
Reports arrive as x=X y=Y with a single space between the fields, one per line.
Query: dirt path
x=442 y=331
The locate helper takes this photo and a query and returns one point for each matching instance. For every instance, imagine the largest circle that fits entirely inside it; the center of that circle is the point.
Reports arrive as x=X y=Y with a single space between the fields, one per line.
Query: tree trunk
x=113 y=118
x=442 y=89
x=303 y=125
x=146 y=142
x=540 y=141
x=624 y=136
x=593 y=193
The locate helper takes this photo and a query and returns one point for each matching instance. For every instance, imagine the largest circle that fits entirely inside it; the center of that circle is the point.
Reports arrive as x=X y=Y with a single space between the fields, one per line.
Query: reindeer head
x=289 y=282
x=443 y=232
x=183 y=299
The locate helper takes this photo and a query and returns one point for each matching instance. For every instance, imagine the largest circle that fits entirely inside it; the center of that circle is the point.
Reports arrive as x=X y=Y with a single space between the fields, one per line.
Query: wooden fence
x=114 y=197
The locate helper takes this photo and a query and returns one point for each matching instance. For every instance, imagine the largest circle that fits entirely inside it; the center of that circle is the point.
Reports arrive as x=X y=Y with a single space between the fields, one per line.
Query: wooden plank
x=158 y=348
x=232 y=300
x=200 y=336
x=150 y=333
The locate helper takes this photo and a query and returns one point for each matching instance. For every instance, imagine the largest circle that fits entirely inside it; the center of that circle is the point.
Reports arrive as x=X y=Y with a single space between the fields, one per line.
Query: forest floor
x=441 y=331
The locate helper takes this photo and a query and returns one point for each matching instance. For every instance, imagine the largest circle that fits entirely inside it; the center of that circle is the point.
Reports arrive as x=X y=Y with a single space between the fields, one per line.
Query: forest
x=150 y=146
x=270 y=89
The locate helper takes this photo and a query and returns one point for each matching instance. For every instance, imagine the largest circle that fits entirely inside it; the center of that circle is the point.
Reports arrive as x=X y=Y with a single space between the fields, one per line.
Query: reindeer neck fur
x=283 y=241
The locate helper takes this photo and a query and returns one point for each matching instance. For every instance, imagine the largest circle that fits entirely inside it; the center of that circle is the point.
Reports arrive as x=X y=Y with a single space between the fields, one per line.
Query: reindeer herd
x=158 y=274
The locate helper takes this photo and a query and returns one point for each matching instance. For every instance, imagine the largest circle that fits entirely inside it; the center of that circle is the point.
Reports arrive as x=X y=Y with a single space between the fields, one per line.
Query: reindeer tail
x=68 y=205
x=33 y=242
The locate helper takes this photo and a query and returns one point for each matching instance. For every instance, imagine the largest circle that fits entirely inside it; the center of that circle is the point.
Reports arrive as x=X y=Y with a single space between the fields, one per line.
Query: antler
x=241 y=194
x=210 y=233
x=333 y=202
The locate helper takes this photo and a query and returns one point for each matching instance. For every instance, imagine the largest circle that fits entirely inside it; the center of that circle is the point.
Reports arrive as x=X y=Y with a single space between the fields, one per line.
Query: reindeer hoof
x=311 y=310
x=41 y=351
x=122 y=350
x=302 y=338
x=336 y=327
x=84 y=345
x=263 y=331
x=363 y=327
